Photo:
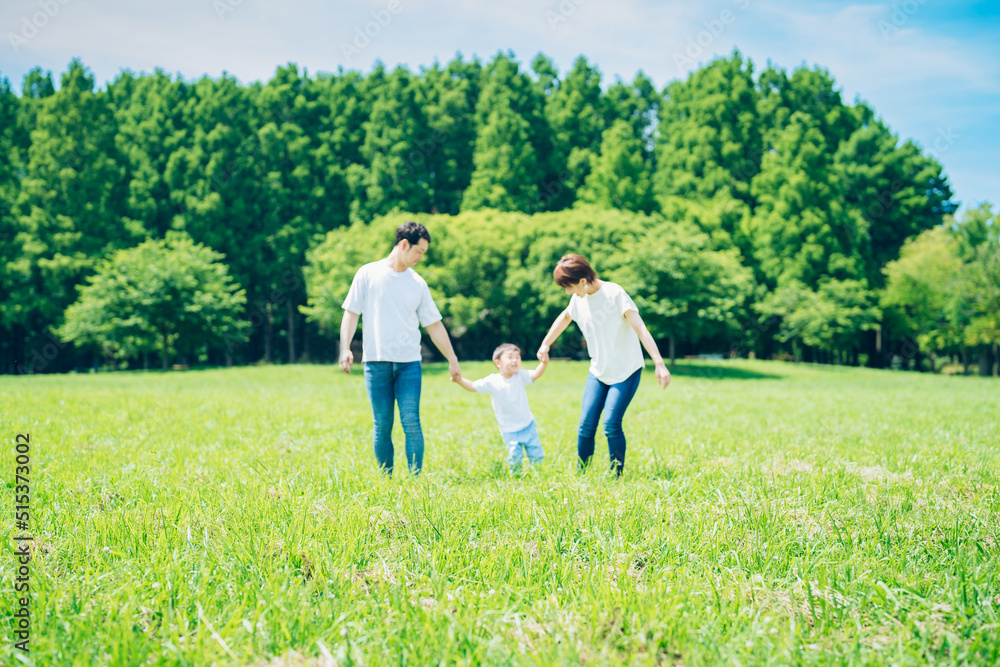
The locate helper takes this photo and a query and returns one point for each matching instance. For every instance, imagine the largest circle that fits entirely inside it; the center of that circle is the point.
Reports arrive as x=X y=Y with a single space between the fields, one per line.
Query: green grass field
x=770 y=513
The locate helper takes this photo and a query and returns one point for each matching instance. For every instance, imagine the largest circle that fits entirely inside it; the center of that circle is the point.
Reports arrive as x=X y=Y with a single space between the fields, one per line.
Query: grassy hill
x=769 y=513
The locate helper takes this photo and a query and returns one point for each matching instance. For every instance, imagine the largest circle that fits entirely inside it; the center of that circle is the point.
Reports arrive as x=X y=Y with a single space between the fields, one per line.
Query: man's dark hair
x=412 y=232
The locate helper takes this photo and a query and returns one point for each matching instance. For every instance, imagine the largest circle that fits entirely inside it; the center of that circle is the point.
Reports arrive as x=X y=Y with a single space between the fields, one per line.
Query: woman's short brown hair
x=571 y=269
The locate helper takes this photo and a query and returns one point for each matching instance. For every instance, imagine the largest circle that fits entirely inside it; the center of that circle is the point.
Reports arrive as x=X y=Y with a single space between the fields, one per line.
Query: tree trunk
x=145 y=360
x=291 y=332
x=878 y=349
x=163 y=353
x=268 y=333
x=870 y=346
x=673 y=351
x=965 y=361
x=305 y=341
x=229 y=358
x=796 y=350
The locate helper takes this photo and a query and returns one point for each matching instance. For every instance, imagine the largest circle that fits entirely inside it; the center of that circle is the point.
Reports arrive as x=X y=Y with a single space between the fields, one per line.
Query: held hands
x=463 y=383
x=346 y=359
x=455 y=370
x=543 y=354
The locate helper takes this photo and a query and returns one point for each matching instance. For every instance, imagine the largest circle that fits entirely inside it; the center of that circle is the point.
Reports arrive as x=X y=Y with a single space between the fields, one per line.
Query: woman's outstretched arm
x=557 y=328
x=646 y=338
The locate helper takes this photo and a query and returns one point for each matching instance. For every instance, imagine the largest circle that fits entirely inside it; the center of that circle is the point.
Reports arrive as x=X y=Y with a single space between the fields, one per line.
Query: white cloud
x=850 y=42
x=251 y=37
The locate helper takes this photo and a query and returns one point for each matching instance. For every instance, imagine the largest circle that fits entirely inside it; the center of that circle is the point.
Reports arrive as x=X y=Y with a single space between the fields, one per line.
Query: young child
x=510 y=403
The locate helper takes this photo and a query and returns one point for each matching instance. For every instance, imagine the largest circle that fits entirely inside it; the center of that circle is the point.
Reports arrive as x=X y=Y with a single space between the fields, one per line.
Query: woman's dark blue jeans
x=388 y=383
x=613 y=400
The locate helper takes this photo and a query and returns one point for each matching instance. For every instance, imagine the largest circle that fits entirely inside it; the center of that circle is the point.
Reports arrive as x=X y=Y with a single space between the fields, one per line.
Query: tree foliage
x=780 y=201
x=921 y=286
x=491 y=272
x=944 y=290
x=619 y=177
x=160 y=295
x=683 y=287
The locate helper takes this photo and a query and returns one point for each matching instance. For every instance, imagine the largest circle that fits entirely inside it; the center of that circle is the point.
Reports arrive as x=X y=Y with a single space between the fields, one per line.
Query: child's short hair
x=571 y=269
x=497 y=353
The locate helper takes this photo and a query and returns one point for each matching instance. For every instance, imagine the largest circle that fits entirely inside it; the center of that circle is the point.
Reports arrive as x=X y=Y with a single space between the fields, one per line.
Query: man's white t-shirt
x=393 y=305
x=615 y=353
x=510 y=400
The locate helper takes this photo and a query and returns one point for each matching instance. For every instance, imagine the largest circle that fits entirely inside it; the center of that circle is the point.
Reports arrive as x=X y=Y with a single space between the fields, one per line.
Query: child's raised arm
x=539 y=369
x=464 y=383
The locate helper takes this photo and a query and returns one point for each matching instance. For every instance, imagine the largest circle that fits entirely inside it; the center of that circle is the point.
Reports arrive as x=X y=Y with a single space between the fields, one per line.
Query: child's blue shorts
x=519 y=442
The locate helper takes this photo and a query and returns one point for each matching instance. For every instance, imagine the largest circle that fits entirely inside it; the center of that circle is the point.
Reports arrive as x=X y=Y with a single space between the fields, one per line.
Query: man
x=395 y=301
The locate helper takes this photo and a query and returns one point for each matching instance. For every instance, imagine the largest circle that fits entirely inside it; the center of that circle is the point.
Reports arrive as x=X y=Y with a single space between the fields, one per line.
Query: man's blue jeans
x=388 y=383
x=613 y=400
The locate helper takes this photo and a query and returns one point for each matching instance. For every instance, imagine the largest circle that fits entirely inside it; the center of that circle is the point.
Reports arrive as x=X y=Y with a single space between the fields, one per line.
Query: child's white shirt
x=510 y=400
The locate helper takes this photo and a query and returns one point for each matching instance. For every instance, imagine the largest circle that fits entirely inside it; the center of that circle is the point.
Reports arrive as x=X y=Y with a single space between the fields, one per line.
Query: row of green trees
x=944 y=290
x=490 y=273
x=805 y=196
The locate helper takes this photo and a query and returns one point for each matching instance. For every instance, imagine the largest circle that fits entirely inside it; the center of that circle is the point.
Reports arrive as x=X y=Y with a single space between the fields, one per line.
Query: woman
x=613 y=330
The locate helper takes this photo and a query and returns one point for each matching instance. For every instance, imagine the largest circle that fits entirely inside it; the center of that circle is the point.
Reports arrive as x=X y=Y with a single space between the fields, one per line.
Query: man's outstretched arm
x=439 y=335
x=348 y=326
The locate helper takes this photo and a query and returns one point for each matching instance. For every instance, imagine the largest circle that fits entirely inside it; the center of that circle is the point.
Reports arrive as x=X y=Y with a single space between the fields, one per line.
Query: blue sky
x=930 y=68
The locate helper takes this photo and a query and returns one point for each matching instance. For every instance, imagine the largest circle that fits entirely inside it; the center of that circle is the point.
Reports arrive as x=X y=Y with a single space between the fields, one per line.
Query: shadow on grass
x=717 y=372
